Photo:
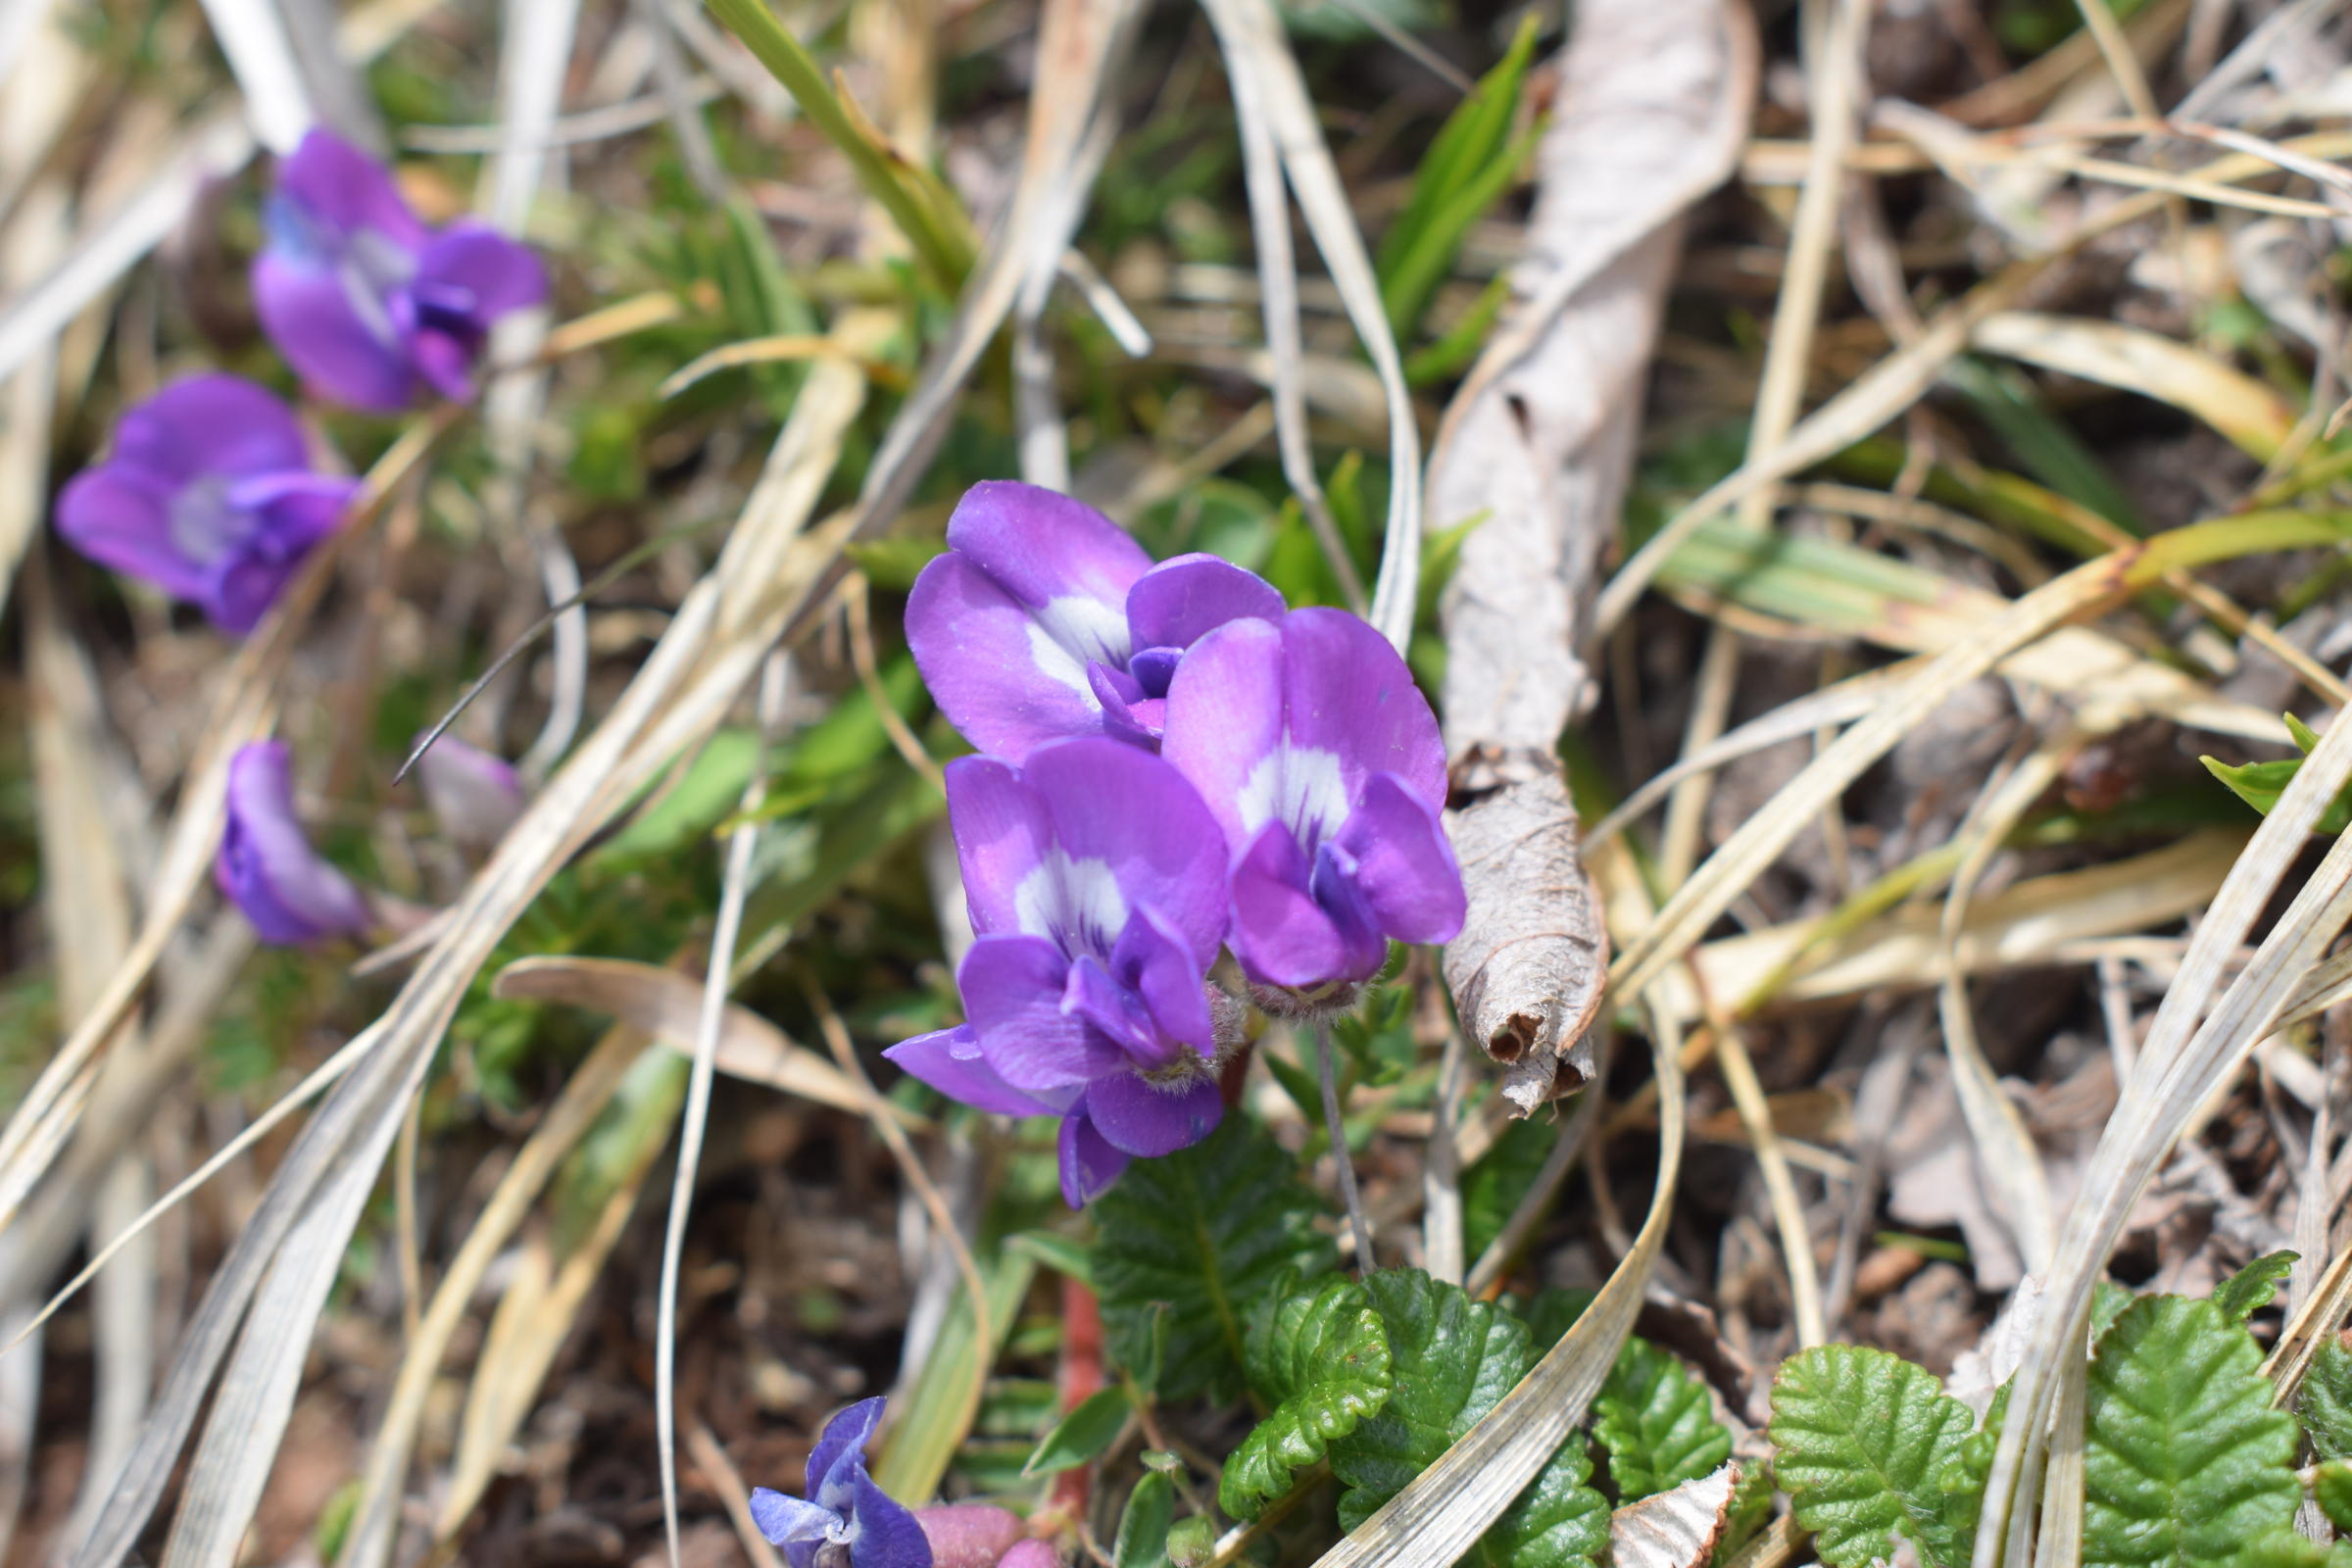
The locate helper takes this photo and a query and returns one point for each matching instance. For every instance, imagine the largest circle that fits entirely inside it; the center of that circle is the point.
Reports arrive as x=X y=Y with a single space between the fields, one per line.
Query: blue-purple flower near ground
x=209 y=493
x=267 y=866
x=1322 y=763
x=846 y=1521
x=1096 y=881
x=1043 y=619
x=364 y=301
x=474 y=796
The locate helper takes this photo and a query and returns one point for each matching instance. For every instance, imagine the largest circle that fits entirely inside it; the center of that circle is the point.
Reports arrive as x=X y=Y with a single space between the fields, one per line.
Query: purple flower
x=1098 y=889
x=209 y=495
x=1322 y=763
x=846 y=1521
x=363 y=299
x=1044 y=620
x=267 y=866
x=474 y=796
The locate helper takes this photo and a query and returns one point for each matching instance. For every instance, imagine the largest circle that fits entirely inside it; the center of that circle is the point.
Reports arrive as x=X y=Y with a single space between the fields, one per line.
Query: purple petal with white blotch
x=1280 y=934
x=1002 y=834
x=1058 y=557
x=267 y=865
x=939 y=1059
x=1111 y=802
x=1404 y=866
x=474 y=796
x=1090 y=994
x=346 y=192
x=1012 y=990
x=1225 y=724
x=785 y=1519
x=1089 y=1163
x=1137 y=1117
x=123 y=520
x=885 y=1534
x=845 y=1437
x=287 y=515
x=1182 y=600
x=343 y=346
x=1151 y=962
x=1347 y=692
x=1004 y=681
x=212 y=423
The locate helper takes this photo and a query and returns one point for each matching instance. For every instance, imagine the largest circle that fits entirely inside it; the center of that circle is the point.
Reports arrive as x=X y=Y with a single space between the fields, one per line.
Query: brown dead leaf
x=1653 y=106
x=1677 y=1527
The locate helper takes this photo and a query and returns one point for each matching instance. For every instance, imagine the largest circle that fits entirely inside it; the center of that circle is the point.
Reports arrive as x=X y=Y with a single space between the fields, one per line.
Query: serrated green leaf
x=2326 y=1400
x=1453 y=1358
x=1553 y=1313
x=1320 y=1356
x=1962 y=1480
x=2249 y=1290
x=1862 y=1440
x=2331 y=1489
x=2185 y=1461
x=1080 y=1435
x=1143 y=1538
x=2107 y=1302
x=1656 y=1422
x=1208 y=1231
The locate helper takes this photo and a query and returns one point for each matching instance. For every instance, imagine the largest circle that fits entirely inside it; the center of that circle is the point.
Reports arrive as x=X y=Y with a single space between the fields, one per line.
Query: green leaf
x=2184 y=1460
x=2325 y=1402
x=1862 y=1438
x=2260 y=784
x=1495 y=1182
x=2249 y=1290
x=1320 y=1357
x=1656 y=1422
x=2107 y=1302
x=1192 y=1542
x=1143 y=1538
x=1554 y=1312
x=1961 y=1480
x=1208 y=1232
x=2331 y=1489
x=1082 y=1435
x=1452 y=1360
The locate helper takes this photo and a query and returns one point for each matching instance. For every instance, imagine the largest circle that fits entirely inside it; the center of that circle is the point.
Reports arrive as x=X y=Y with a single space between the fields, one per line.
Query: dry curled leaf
x=1678 y=1528
x=1653 y=104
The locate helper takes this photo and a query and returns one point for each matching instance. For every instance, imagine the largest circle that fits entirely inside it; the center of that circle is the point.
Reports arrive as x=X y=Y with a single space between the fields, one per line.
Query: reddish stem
x=1081 y=1380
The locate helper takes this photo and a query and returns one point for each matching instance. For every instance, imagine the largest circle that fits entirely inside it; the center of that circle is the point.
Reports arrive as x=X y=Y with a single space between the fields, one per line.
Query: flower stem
x=1340 y=1157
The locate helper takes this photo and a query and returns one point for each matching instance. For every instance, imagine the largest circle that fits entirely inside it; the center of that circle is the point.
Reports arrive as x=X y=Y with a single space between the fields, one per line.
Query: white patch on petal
x=203 y=525
x=1057 y=663
x=1090 y=628
x=1075 y=905
x=1300 y=787
x=373 y=269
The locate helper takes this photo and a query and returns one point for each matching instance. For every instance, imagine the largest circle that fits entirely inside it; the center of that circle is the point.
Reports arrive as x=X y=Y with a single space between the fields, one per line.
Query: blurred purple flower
x=1098 y=889
x=210 y=494
x=267 y=866
x=363 y=299
x=474 y=795
x=846 y=1521
x=1322 y=763
x=1044 y=620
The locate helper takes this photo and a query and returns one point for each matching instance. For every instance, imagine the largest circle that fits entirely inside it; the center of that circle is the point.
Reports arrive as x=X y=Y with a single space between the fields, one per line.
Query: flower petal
x=266 y=865
x=121 y=520
x=1224 y=720
x=1403 y=865
x=1048 y=551
x=314 y=321
x=885 y=1533
x=845 y=1437
x=474 y=795
x=212 y=424
x=1012 y=992
x=1362 y=948
x=1151 y=962
x=1280 y=934
x=1346 y=692
x=1090 y=994
x=1116 y=804
x=963 y=1076
x=1089 y=1163
x=1002 y=838
x=343 y=189
x=998 y=675
x=783 y=1518
x=499 y=273
x=1182 y=600
x=1139 y=1117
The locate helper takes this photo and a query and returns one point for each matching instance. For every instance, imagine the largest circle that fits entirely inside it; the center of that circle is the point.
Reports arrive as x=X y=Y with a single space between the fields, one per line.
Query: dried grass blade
x=2115 y=354
x=253 y=35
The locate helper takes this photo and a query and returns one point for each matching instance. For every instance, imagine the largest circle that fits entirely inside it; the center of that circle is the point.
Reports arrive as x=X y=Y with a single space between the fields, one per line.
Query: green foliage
x=1453 y=1359
x=1656 y=1422
x=1143 y=1538
x=1962 y=1479
x=2249 y=1290
x=1471 y=162
x=2331 y=1489
x=2107 y=1302
x=1863 y=1441
x=2260 y=784
x=2326 y=1401
x=1210 y=1232
x=2184 y=1459
x=1494 y=1185
x=1320 y=1356
x=1082 y=1435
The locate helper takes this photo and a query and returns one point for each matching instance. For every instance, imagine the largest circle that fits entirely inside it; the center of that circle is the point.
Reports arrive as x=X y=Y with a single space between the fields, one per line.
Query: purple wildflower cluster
x=213 y=493
x=847 y=1521
x=1177 y=765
